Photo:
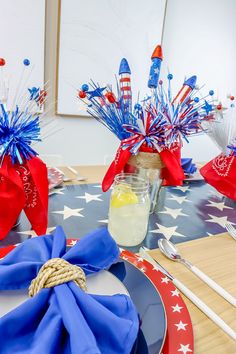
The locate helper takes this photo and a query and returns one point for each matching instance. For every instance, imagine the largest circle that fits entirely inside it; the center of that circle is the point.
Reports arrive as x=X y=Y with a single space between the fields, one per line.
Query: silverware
x=78 y=177
x=65 y=178
x=231 y=230
x=191 y=296
x=171 y=252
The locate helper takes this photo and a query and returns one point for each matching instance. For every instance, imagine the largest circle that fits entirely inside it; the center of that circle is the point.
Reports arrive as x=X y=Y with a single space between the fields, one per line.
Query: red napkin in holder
x=221 y=174
x=23 y=187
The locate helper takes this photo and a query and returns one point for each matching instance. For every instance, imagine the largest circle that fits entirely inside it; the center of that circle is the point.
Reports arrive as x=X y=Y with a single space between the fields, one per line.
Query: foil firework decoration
x=158 y=121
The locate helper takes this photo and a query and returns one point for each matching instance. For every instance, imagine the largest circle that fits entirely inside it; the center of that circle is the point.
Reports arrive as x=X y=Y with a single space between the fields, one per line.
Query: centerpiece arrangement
x=151 y=130
x=23 y=176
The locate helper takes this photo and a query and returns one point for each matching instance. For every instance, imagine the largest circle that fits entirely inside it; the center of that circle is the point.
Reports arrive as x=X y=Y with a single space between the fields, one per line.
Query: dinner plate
x=55 y=177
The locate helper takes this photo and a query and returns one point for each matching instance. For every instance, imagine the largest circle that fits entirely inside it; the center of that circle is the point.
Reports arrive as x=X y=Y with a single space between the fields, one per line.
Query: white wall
x=199 y=39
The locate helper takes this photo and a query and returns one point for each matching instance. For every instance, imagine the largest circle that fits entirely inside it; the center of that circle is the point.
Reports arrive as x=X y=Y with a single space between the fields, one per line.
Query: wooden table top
x=214 y=255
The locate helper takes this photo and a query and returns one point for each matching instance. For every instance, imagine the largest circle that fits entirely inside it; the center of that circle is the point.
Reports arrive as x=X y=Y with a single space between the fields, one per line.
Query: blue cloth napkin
x=65 y=319
x=188 y=166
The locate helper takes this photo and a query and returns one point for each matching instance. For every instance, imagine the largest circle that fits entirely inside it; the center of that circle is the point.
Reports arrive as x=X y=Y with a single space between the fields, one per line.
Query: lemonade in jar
x=129 y=210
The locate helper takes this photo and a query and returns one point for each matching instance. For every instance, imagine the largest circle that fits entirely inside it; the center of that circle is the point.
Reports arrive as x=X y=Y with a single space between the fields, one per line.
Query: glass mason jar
x=129 y=209
x=148 y=166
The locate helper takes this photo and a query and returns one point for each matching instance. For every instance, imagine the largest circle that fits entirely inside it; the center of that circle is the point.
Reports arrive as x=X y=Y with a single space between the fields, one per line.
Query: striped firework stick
x=125 y=83
x=186 y=89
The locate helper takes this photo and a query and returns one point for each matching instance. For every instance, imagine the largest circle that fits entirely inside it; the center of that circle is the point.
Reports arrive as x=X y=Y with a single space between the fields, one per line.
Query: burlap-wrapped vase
x=148 y=165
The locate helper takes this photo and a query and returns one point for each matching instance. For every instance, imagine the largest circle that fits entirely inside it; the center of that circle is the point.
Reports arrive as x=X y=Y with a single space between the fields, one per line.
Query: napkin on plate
x=65 y=319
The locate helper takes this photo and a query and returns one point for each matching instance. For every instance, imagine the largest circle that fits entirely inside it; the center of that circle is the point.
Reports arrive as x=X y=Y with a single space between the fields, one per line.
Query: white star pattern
x=179 y=200
x=156 y=71
x=219 y=205
x=73 y=242
x=90 y=197
x=220 y=220
x=173 y=212
x=177 y=308
x=165 y=280
x=68 y=212
x=168 y=232
x=97 y=186
x=58 y=190
x=182 y=188
x=104 y=221
x=175 y=292
x=181 y=326
x=184 y=349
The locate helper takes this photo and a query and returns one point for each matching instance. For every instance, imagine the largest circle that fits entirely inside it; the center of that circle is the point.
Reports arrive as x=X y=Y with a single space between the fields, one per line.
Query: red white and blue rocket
x=155 y=67
x=125 y=83
x=185 y=90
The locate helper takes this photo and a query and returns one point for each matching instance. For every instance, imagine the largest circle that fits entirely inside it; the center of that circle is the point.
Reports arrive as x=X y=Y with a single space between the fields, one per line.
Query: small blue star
x=96 y=93
x=34 y=93
x=208 y=107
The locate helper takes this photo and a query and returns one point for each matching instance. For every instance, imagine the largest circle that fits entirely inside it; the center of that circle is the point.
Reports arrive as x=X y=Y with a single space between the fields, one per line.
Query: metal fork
x=231 y=230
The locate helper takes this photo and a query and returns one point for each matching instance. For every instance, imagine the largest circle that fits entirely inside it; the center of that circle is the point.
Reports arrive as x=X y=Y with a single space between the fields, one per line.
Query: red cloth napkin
x=221 y=174
x=23 y=187
x=172 y=174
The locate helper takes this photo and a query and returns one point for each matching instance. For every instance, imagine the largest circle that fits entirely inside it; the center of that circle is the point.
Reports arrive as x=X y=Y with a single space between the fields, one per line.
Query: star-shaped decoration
x=182 y=188
x=73 y=242
x=68 y=212
x=173 y=212
x=208 y=107
x=156 y=71
x=220 y=220
x=175 y=293
x=181 y=326
x=168 y=232
x=90 y=197
x=219 y=205
x=179 y=200
x=177 y=308
x=33 y=234
x=165 y=280
x=184 y=349
x=57 y=191
x=105 y=221
x=96 y=93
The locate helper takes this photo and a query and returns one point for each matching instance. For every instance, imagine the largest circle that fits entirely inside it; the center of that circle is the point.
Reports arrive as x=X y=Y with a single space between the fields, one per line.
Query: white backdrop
x=96 y=35
x=22 y=28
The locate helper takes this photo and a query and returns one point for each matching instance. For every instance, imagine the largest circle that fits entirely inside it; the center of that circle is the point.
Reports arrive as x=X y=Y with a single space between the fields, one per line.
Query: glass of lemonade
x=129 y=209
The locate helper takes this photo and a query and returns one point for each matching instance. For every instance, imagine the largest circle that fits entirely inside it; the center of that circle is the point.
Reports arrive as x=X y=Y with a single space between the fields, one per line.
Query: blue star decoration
x=96 y=93
x=208 y=107
x=34 y=93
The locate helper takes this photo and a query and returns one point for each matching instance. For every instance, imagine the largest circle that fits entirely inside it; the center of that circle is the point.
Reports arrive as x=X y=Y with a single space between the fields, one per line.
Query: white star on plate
x=181 y=325
x=220 y=220
x=32 y=233
x=184 y=349
x=219 y=205
x=175 y=292
x=179 y=200
x=73 y=242
x=177 y=308
x=168 y=232
x=90 y=197
x=173 y=212
x=165 y=280
x=68 y=212
x=105 y=221
x=182 y=188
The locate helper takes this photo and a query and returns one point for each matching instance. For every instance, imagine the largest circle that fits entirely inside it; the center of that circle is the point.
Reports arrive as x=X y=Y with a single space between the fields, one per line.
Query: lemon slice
x=123 y=195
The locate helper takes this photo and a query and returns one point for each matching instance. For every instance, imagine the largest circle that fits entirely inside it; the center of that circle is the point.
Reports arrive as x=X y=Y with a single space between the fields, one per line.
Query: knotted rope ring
x=57 y=271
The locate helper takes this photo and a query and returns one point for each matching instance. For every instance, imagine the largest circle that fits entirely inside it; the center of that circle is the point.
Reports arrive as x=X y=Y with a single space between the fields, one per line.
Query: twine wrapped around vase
x=147 y=160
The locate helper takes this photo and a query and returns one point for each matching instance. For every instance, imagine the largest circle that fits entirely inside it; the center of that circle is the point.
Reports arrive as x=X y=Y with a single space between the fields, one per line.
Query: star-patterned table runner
x=182 y=213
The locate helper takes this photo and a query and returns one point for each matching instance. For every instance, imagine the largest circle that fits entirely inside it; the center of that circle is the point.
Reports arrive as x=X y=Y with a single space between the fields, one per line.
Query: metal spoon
x=171 y=252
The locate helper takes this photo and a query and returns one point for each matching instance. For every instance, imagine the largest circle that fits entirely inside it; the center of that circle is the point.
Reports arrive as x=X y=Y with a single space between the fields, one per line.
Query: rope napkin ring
x=57 y=271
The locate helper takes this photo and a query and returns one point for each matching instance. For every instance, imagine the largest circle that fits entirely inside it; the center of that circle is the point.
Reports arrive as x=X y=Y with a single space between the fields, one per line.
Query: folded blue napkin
x=188 y=166
x=65 y=319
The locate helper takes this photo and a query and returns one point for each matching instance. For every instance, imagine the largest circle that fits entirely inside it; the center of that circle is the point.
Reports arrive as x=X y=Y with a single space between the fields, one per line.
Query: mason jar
x=129 y=209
